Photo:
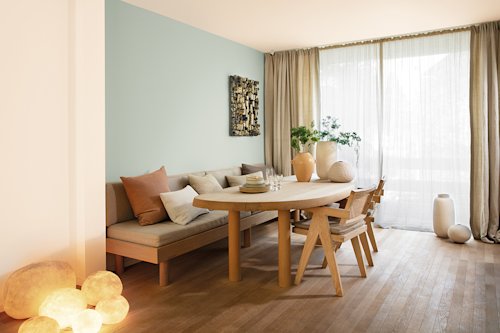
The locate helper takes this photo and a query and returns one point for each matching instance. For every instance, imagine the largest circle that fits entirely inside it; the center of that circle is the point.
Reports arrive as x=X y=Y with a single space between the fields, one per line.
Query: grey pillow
x=252 y=168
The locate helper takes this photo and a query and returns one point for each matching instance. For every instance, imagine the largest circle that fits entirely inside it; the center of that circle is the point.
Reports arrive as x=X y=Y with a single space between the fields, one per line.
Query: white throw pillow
x=179 y=205
x=204 y=184
x=241 y=180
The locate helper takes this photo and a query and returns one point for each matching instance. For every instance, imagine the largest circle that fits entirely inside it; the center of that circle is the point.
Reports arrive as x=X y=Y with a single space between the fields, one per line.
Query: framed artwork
x=244 y=106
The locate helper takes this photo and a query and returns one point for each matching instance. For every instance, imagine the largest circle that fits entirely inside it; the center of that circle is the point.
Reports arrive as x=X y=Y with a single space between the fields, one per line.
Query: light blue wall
x=167 y=95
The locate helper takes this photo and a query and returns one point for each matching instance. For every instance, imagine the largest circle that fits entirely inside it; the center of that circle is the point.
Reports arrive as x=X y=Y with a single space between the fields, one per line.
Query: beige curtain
x=291 y=99
x=485 y=122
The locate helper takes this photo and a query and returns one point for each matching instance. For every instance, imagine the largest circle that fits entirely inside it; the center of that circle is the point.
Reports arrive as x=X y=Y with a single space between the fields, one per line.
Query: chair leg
x=325 y=263
x=371 y=235
x=324 y=234
x=312 y=236
x=366 y=248
x=336 y=246
x=359 y=256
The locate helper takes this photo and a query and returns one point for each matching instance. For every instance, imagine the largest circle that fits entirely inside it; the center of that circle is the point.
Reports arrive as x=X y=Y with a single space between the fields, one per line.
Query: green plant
x=302 y=137
x=331 y=132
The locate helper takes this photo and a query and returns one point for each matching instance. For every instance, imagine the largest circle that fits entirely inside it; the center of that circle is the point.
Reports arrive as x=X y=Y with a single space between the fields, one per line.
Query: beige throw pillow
x=179 y=205
x=241 y=180
x=204 y=184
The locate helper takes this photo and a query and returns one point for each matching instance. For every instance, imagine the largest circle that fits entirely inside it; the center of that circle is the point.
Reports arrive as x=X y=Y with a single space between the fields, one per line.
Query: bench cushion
x=163 y=233
x=167 y=232
x=117 y=205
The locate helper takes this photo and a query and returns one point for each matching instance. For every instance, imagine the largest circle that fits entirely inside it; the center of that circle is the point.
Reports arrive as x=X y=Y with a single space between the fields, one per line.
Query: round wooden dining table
x=293 y=195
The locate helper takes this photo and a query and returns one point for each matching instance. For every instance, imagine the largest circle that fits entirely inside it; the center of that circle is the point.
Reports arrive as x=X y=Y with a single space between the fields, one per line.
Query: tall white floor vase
x=326 y=155
x=444 y=215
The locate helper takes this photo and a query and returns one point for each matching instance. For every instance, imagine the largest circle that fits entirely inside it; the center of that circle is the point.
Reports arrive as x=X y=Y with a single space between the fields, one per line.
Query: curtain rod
x=393 y=38
x=400 y=37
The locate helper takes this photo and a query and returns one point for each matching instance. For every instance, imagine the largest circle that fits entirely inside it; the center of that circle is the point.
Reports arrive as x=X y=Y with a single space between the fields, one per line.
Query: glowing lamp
x=101 y=285
x=39 y=324
x=113 y=309
x=26 y=288
x=63 y=305
x=87 y=321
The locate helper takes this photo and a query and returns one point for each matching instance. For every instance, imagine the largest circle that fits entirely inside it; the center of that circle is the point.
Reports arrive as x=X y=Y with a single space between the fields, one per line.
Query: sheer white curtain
x=423 y=119
x=426 y=141
x=350 y=91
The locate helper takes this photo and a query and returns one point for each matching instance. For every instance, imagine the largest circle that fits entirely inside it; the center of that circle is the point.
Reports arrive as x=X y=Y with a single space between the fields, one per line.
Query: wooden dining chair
x=333 y=226
x=377 y=195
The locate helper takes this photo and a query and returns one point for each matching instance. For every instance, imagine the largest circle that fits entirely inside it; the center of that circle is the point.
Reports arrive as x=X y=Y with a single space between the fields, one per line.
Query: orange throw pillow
x=143 y=192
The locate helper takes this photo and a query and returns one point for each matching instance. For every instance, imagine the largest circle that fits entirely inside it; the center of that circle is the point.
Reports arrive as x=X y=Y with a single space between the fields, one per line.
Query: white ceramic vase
x=326 y=155
x=443 y=215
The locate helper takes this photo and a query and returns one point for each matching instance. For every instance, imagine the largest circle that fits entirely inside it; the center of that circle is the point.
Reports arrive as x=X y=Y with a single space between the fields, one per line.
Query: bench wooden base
x=162 y=255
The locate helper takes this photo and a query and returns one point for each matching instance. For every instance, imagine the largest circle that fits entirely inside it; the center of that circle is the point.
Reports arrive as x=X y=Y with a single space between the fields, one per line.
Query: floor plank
x=419 y=283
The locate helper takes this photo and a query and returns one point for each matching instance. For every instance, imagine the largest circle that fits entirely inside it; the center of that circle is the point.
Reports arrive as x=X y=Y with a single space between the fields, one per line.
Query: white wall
x=52 y=134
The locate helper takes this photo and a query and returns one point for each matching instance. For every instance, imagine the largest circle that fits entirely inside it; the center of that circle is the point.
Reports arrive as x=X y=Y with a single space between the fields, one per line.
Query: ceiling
x=275 y=25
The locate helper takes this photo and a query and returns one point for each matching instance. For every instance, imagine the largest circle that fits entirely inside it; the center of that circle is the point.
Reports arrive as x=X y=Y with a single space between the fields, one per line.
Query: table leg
x=284 y=245
x=234 y=246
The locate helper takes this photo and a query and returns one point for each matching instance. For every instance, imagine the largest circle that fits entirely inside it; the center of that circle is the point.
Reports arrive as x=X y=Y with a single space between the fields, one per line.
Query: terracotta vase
x=326 y=155
x=303 y=166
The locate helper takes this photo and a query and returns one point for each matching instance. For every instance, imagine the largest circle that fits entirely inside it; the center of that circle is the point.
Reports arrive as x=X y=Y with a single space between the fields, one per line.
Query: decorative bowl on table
x=254 y=184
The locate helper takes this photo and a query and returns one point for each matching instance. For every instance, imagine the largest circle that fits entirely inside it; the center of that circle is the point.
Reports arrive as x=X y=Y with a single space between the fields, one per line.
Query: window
x=350 y=91
x=409 y=101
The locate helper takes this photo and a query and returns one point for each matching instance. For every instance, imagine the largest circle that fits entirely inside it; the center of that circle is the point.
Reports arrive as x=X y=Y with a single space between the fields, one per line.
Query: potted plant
x=326 y=150
x=304 y=137
x=302 y=140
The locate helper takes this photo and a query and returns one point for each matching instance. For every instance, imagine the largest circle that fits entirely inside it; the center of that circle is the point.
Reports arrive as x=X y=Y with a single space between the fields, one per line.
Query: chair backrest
x=380 y=187
x=358 y=204
x=379 y=192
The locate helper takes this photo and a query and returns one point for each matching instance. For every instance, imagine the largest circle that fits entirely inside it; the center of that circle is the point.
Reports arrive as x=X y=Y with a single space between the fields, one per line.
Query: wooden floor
x=419 y=284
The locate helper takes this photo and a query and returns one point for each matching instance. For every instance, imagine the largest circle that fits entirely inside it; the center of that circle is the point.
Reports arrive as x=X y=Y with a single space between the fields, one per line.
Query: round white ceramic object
x=341 y=172
x=459 y=233
x=444 y=215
